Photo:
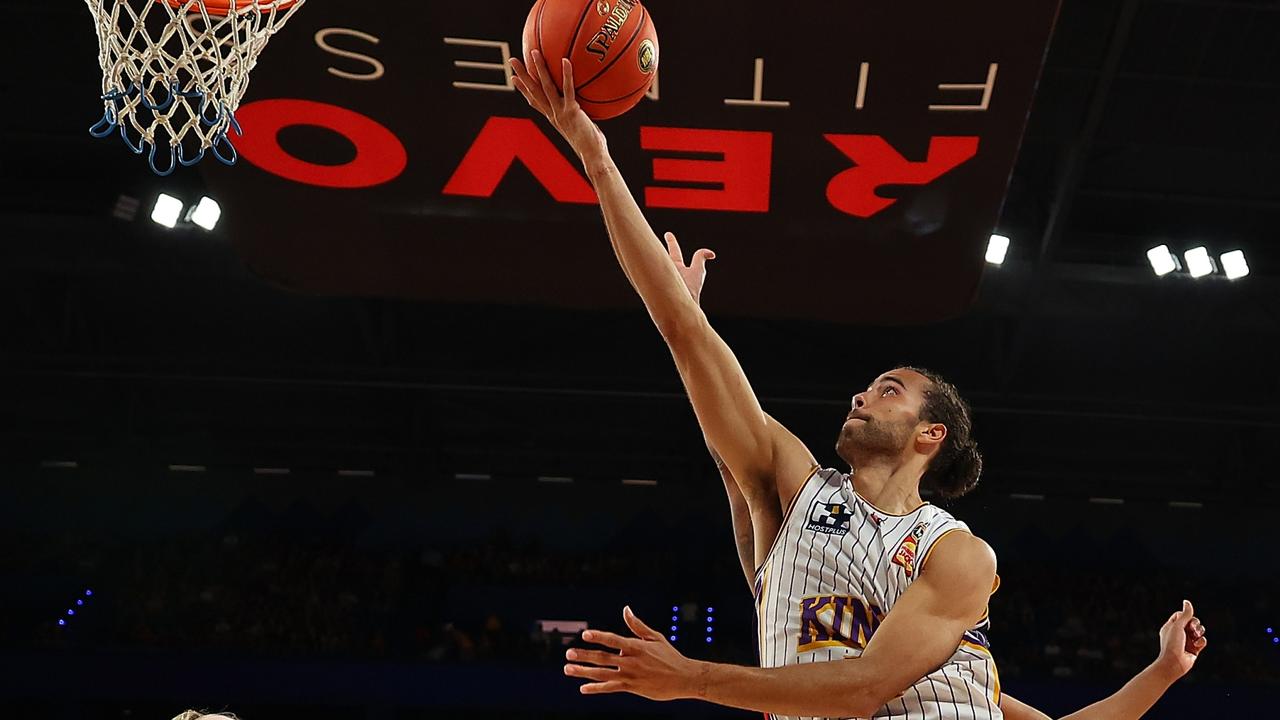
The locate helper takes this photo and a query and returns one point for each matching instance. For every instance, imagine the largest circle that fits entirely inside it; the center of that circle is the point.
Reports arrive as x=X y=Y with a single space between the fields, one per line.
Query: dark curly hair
x=954 y=471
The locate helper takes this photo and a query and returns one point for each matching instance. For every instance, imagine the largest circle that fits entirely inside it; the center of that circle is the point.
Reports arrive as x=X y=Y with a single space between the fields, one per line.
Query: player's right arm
x=757 y=450
x=1181 y=640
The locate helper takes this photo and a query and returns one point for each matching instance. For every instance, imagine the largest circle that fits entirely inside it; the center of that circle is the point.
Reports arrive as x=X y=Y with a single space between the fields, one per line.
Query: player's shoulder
x=961 y=548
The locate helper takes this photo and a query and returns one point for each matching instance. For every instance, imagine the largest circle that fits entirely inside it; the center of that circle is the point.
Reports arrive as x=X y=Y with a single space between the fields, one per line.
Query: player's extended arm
x=921 y=632
x=764 y=518
x=754 y=447
x=1181 y=640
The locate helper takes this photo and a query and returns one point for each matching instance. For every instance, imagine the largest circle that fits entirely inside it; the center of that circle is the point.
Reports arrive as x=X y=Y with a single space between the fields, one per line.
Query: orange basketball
x=612 y=44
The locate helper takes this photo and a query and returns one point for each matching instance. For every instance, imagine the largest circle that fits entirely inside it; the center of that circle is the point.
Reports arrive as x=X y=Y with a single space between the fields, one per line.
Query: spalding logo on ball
x=613 y=47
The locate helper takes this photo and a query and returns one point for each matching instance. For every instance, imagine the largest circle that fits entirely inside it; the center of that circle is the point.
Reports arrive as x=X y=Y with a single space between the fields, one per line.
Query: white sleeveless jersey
x=835 y=570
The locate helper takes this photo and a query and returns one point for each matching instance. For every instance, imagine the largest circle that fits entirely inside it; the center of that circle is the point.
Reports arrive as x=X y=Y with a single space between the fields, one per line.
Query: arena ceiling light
x=1163 y=261
x=1199 y=263
x=997 y=248
x=1233 y=264
x=206 y=213
x=167 y=211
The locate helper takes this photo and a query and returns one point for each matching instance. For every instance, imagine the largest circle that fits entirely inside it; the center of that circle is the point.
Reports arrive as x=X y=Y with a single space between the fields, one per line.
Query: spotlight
x=206 y=213
x=1233 y=264
x=996 y=249
x=1163 y=261
x=1199 y=263
x=167 y=210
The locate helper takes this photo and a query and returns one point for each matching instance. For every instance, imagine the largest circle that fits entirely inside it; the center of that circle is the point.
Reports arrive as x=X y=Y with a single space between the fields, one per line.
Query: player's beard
x=860 y=441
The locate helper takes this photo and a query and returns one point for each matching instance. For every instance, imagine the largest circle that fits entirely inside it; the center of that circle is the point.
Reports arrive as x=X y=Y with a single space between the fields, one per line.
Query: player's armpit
x=926 y=624
x=758 y=451
x=1014 y=709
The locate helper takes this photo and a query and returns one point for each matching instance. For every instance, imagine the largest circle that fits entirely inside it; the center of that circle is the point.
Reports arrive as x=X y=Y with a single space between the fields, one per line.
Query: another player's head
x=909 y=414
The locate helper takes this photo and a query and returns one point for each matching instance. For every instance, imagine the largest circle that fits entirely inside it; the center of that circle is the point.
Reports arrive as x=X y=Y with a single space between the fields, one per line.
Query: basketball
x=612 y=44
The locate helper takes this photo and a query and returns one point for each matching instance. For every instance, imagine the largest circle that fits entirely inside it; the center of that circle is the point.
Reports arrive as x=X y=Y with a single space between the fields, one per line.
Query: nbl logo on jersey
x=829 y=518
x=906 y=555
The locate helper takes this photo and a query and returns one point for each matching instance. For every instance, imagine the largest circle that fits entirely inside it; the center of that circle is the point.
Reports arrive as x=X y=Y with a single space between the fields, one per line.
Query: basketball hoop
x=173 y=72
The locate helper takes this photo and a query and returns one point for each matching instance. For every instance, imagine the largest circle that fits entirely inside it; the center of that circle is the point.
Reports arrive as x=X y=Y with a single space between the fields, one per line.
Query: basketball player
x=1182 y=637
x=861 y=569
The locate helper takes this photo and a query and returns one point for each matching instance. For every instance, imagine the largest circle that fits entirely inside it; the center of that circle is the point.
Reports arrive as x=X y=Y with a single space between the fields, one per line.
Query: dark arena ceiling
x=1154 y=122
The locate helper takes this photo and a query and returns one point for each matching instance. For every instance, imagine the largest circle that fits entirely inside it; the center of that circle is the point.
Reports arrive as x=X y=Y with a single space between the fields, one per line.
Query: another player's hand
x=563 y=111
x=646 y=665
x=1181 y=640
x=695 y=273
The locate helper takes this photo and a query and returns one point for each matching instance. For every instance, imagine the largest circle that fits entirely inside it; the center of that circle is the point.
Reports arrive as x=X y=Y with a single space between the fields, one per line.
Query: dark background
x=372 y=581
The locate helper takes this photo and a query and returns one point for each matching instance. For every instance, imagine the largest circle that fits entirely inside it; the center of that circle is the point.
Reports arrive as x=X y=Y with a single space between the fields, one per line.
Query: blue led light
x=675 y=608
x=674 y=618
x=79 y=602
x=710 y=610
x=673 y=638
x=61 y=621
x=710 y=619
x=1269 y=631
x=70 y=611
x=1275 y=639
x=674 y=628
x=708 y=628
x=708 y=639
x=88 y=593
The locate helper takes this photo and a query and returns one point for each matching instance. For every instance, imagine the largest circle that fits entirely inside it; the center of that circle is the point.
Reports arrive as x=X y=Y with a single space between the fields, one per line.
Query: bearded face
x=864 y=436
x=883 y=418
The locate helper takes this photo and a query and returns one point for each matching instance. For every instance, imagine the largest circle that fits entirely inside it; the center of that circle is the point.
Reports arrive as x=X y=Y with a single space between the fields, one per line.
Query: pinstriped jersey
x=836 y=569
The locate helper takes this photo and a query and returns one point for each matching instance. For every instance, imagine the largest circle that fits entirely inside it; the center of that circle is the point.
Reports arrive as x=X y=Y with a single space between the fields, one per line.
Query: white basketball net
x=172 y=77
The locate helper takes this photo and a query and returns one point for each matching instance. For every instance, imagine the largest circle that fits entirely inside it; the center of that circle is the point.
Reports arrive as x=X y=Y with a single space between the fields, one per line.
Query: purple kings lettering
x=836 y=621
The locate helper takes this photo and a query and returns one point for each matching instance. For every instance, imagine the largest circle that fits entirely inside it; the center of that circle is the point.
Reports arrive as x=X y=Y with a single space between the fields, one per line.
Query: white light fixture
x=996 y=249
x=167 y=210
x=1199 y=263
x=1233 y=264
x=206 y=213
x=1162 y=260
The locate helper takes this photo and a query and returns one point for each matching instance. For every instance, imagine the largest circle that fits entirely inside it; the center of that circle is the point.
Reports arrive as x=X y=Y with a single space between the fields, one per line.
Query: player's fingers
x=529 y=86
x=597 y=688
x=595 y=657
x=544 y=77
x=527 y=93
x=673 y=248
x=701 y=257
x=519 y=70
x=608 y=639
x=567 y=74
x=591 y=673
x=638 y=627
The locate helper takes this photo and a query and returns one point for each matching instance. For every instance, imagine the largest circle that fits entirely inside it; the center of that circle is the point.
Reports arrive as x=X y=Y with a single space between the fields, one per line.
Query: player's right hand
x=695 y=273
x=563 y=110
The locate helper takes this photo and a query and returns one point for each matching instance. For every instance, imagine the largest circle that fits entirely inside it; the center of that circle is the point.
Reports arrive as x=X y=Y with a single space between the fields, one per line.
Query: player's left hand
x=695 y=273
x=646 y=665
x=1181 y=641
